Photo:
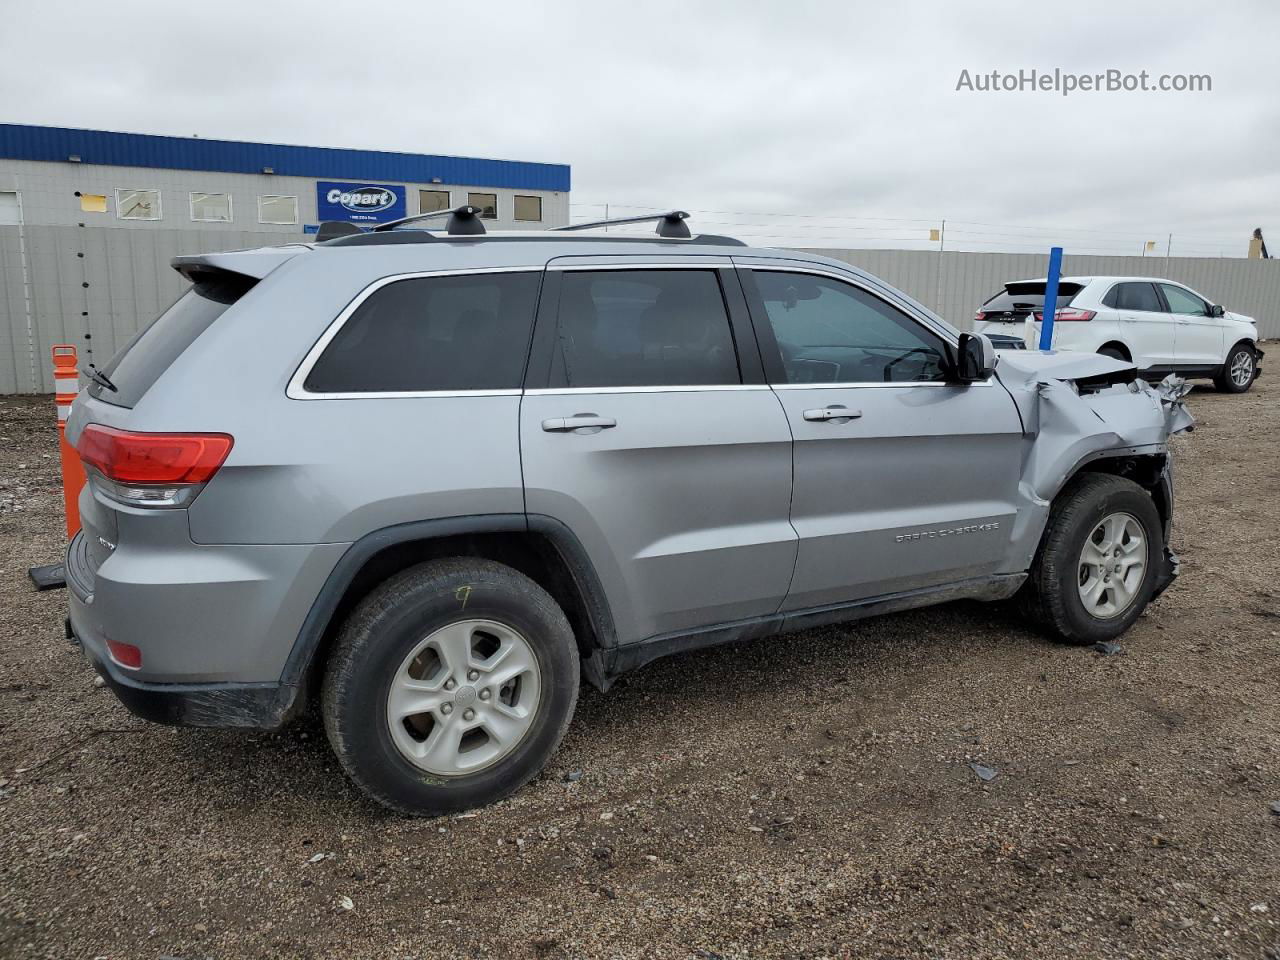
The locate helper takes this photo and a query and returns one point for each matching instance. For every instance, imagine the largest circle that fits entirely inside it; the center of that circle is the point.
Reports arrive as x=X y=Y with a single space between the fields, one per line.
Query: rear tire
x=450 y=686
x=1240 y=370
x=1096 y=568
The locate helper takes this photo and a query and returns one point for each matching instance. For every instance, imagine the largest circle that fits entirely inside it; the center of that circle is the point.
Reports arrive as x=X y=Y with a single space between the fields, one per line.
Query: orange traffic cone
x=66 y=384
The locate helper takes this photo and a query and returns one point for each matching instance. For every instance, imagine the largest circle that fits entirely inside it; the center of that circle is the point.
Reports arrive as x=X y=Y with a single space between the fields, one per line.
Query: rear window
x=1029 y=296
x=468 y=332
x=141 y=361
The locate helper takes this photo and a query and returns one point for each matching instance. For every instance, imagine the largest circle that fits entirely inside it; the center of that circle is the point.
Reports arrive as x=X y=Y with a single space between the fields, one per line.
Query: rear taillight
x=1063 y=314
x=152 y=469
x=980 y=315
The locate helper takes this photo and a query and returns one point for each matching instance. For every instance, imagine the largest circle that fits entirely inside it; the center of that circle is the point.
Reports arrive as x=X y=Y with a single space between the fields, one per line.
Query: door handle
x=834 y=412
x=584 y=422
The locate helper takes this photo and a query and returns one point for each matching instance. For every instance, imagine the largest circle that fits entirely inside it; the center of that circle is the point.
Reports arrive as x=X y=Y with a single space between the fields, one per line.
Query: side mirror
x=976 y=358
x=1216 y=310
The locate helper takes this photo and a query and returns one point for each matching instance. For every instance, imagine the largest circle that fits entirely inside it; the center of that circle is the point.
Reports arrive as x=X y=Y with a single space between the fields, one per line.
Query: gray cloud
x=833 y=111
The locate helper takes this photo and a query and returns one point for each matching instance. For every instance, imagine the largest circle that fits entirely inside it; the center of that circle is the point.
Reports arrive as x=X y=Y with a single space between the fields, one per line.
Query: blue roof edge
x=57 y=144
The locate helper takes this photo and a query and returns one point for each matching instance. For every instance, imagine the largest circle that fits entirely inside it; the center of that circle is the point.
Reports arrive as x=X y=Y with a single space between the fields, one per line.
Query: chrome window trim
x=609 y=264
x=895 y=385
x=677 y=388
x=296 y=389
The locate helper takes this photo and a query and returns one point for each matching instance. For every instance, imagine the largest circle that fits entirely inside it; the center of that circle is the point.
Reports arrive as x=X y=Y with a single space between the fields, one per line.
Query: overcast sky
x=826 y=124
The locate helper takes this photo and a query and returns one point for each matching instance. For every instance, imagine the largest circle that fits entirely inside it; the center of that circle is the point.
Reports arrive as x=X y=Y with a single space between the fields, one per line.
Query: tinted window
x=433 y=333
x=833 y=332
x=1029 y=296
x=1184 y=301
x=139 y=363
x=1134 y=296
x=643 y=328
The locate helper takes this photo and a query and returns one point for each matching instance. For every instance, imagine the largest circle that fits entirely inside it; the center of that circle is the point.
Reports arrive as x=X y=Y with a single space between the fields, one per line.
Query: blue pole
x=1050 y=298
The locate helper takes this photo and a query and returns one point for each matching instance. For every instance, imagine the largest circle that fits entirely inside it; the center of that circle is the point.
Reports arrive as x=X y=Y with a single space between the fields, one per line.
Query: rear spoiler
x=254 y=264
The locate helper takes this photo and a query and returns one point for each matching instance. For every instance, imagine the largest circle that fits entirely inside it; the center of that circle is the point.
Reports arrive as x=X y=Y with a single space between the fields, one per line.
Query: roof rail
x=670 y=224
x=330 y=229
x=463 y=221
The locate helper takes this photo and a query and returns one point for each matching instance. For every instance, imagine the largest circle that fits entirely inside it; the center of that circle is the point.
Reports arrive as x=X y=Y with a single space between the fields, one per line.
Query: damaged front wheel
x=1095 y=570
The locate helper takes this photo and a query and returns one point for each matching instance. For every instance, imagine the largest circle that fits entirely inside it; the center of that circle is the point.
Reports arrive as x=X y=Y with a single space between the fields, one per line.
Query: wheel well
x=1143 y=469
x=1242 y=342
x=532 y=554
x=1117 y=345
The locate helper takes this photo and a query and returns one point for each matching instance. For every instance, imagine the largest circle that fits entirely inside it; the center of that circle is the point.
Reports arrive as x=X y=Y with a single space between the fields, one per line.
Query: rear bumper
x=255 y=706
x=215 y=625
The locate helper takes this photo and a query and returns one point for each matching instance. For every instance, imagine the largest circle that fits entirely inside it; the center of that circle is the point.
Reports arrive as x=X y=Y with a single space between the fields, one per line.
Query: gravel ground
x=807 y=796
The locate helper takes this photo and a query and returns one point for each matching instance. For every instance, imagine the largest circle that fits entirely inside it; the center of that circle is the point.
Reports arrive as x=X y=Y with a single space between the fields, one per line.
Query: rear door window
x=643 y=328
x=141 y=361
x=426 y=334
x=1135 y=296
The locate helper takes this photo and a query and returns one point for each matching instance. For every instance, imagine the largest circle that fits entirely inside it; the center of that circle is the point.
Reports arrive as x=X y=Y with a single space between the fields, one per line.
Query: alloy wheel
x=1241 y=371
x=464 y=697
x=1113 y=565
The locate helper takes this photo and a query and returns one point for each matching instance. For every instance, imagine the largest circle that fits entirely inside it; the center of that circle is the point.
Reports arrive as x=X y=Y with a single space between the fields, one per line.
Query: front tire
x=450 y=686
x=1096 y=568
x=1240 y=370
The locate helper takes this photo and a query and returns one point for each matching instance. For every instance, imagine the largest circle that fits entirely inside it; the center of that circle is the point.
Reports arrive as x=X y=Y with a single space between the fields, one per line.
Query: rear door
x=1198 y=340
x=647 y=429
x=1144 y=322
x=902 y=481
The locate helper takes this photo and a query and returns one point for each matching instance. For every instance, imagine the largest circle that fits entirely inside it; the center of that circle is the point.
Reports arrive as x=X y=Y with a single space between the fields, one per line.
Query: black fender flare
x=563 y=539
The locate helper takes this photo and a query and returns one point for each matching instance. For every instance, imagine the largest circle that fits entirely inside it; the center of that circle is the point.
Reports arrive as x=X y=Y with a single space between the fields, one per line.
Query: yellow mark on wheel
x=462 y=595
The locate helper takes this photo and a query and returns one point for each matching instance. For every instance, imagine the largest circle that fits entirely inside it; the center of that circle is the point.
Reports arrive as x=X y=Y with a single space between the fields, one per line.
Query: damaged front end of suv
x=1085 y=413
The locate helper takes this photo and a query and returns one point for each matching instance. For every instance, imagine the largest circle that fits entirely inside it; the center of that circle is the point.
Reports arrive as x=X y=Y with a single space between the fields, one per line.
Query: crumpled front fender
x=1118 y=420
x=1076 y=407
x=1076 y=410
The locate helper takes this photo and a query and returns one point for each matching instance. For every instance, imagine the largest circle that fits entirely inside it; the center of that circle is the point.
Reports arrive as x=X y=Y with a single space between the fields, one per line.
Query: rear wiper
x=97 y=376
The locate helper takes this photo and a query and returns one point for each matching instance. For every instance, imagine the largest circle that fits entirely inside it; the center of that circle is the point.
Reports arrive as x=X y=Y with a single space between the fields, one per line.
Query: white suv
x=1160 y=326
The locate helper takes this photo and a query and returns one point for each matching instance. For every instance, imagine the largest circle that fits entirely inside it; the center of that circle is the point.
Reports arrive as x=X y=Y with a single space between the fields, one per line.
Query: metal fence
x=89 y=286
x=955 y=284
x=94 y=286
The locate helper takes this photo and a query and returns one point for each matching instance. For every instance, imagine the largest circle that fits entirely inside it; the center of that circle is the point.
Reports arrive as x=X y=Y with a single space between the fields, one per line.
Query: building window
x=215 y=207
x=93 y=203
x=486 y=202
x=430 y=201
x=282 y=210
x=528 y=208
x=138 y=204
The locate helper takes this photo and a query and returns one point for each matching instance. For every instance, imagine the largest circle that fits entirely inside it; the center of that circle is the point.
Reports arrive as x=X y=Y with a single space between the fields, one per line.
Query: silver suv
x=430 y=479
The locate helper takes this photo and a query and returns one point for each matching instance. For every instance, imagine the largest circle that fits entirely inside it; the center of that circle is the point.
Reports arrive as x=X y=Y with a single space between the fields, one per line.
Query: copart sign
x=359 y=202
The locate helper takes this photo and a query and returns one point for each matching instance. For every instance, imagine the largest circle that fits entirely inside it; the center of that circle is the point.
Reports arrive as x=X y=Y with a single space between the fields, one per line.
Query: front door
x=647 y=429
x=902 y=481
x=1199 y=337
